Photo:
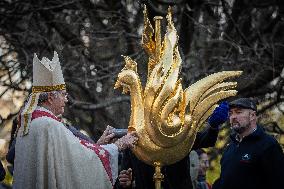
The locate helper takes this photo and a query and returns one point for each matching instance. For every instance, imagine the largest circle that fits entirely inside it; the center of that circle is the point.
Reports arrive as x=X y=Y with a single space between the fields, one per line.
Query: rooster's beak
x=117 y=85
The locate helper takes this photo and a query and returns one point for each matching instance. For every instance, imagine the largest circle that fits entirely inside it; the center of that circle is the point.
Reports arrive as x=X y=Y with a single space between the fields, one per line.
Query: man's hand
x=107 y=135
x=127 y=141
x=125 y=178
x=219 y=116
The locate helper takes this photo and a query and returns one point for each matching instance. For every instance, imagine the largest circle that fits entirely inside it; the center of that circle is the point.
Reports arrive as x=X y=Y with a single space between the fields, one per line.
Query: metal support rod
x=157 y=20
x=158 y=176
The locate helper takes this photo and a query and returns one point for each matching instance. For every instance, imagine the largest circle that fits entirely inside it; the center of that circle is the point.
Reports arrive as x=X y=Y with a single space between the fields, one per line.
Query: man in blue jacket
x=253 y=159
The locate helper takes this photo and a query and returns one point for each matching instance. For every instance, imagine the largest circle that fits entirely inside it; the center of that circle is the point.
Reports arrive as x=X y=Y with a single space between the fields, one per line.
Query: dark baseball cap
x=246 y=103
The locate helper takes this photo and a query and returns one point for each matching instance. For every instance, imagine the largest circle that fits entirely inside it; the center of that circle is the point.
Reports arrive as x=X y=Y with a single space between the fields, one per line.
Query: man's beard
x=239 y=128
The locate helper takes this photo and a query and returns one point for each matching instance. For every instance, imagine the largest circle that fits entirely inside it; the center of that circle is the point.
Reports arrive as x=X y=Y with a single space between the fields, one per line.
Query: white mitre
x=47 y=77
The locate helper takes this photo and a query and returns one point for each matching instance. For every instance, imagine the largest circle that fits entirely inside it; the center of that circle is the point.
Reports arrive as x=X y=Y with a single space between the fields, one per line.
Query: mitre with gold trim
x=47 y=74
x=47 y=77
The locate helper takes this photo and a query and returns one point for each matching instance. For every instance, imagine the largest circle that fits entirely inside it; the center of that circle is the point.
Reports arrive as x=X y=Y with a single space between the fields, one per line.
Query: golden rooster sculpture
x=165 y=116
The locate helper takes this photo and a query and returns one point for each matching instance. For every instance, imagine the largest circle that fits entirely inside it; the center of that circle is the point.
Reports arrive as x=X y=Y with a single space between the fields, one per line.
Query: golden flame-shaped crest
x=165 y=116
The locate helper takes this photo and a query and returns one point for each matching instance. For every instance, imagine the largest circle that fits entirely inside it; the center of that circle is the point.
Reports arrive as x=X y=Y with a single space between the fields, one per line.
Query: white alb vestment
x=51 y=157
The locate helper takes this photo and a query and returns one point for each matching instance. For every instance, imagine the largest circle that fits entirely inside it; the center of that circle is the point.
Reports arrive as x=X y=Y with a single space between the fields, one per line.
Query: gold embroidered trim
x=40 y=89
x=28 y=113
